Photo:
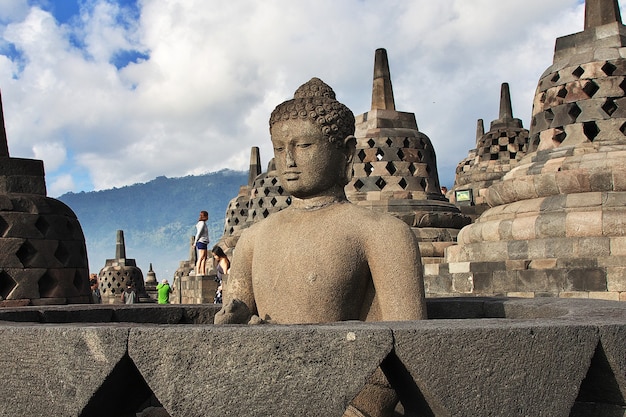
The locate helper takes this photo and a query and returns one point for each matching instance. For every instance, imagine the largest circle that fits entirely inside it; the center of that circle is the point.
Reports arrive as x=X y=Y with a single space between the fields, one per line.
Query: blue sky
x=113 y=92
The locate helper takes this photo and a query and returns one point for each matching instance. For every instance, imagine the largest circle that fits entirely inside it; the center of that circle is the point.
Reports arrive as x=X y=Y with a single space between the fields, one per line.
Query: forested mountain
x=158 y=218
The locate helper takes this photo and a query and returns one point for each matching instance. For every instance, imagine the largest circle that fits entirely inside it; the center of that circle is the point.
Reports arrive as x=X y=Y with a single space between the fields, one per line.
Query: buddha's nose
x=289 y=160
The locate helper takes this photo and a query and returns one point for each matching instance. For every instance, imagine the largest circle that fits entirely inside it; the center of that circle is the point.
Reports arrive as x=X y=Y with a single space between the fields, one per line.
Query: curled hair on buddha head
x=315 y=101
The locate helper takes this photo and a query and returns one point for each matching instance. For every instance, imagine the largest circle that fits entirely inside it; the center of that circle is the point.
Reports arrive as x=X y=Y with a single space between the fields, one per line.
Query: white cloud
x=217 y=69
x=12 y=9
x=61 y=185
x=53 y=154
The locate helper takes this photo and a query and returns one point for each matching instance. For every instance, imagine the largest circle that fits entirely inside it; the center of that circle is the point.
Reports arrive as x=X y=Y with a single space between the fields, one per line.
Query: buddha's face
x=307 y=164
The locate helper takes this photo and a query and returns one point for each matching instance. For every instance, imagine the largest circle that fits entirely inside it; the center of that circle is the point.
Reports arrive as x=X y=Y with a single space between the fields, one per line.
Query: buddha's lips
x=291 y=175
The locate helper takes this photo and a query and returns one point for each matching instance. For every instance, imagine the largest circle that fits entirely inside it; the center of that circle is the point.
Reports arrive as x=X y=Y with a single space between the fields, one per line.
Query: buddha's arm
x=396 y=268
x=238 y=286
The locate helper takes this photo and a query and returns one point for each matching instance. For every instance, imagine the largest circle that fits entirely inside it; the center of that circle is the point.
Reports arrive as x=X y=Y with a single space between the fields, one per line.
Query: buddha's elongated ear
x=349 y=144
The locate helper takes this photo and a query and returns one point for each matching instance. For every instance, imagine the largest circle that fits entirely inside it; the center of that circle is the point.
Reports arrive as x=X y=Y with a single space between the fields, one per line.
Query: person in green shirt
x=164 y=290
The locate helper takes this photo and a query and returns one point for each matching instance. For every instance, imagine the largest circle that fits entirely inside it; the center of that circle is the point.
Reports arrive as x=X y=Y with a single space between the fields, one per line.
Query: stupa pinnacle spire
x=120 y=246
x=255 y=165
x=480 y=129
x=4 y=147
x=382 y=92
x=601 y=12
x=506 y=111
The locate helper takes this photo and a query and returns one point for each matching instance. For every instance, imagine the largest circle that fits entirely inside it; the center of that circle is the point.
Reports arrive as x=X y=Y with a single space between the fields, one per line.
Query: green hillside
x=158 y=218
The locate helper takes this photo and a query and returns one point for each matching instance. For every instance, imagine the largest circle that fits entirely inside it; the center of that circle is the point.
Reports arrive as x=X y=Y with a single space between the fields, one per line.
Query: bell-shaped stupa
x=556 y=226
x=395 y=169
x=120 y=272
x=43 y=258
x=496 y=153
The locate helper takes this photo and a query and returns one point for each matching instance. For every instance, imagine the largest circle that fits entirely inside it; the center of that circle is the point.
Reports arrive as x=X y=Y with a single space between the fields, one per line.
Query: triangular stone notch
x=124 y=393
x=411 y=398
x=599 y=393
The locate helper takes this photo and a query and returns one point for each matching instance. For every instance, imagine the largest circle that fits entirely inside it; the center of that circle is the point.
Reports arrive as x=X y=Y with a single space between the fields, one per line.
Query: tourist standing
x=202 y=242
x=129 y=296
x=223 y=265
x=164 y=290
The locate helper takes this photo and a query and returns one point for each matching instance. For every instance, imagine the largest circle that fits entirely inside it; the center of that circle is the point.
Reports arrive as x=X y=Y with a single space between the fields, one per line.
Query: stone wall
x=474 y=357
x=194 y=289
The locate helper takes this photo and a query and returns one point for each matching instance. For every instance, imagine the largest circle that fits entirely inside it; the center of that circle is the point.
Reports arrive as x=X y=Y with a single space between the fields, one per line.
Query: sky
x=110 y=93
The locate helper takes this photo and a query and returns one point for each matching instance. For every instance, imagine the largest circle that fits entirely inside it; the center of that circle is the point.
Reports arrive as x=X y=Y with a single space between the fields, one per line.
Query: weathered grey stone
x=298 y=370
x=531 y=358
x=56 y=371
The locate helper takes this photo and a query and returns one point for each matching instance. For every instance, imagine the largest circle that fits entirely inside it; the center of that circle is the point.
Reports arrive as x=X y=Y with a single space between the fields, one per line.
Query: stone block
x=549 y=225
x=532 y=280
x=259 y=370
x=618 y=246
x=487 y=266
x=523 y=228
x=573 y=294
x=542 y=263
x=613 y=223
x=590 y=247
x=604 y=295
x=573 y=181
x=525 y=352
x=601 y=180
x=504 y=281
x=583 y=223
x=517 y=249
x=519 y=264
x=459 y=267
x=439 y=284
x=463 y=283
x=545 y=184
x=521 y=294
x=482 y=282
x=619 y=178
x=56 y=371
x=587 y=279
x=616 y=278
x=431 y=269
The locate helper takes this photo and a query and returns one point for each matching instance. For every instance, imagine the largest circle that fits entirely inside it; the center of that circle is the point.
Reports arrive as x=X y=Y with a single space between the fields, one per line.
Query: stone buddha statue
x=322 y=259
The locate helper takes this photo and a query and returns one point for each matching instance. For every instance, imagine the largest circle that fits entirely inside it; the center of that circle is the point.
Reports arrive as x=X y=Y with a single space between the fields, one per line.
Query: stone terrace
x=476 y=356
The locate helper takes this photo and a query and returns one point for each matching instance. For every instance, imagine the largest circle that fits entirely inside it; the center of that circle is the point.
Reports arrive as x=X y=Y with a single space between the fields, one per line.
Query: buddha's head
x=313 y=141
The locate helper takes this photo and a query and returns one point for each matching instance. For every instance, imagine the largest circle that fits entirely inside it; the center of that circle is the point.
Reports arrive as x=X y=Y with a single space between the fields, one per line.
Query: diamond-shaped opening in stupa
x=7 y=284
x=608 y=68
x=26 y=253
x=4 y=226
x=62 y=254
x=47 y=284
x=42 y=225
x=591 y=130
x=79 y=280
x=578 y=72
x=590 y=88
